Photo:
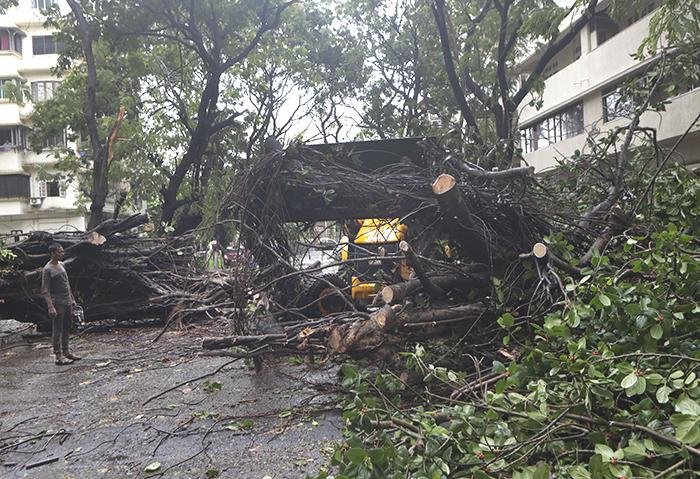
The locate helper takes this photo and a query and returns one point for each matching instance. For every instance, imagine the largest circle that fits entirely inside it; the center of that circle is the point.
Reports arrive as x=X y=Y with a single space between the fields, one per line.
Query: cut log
x=539 y=250
x=431 y=288
x=398 y=292
x=434 y=317
x=459 y=219
x=363 y=334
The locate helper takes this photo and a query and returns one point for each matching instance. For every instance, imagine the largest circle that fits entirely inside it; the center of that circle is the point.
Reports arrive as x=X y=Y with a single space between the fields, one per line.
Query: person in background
x=60 y=302
x=215 y=257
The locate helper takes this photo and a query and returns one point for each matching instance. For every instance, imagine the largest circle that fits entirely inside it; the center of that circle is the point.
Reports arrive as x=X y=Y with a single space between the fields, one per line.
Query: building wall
x=585 y=79
x=51 y=213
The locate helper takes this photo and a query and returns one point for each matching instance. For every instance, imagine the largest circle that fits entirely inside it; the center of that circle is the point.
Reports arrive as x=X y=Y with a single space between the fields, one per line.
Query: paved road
x=279 y=423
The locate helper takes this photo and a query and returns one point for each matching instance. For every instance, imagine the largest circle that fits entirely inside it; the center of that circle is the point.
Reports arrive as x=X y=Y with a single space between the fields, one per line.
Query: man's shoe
x=72 y=357
x=62 y=361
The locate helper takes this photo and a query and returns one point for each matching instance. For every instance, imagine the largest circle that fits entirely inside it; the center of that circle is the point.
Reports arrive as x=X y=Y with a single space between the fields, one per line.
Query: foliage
x=120 y=71
x=675 y=24
x=606 y=385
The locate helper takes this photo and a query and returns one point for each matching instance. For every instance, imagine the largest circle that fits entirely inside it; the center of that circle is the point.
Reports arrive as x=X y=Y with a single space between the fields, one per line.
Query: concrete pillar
x=586 y=35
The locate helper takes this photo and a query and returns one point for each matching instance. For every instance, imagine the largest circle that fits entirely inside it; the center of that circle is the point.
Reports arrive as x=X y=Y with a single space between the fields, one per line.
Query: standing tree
x=467 y=38
x=100 y=85
x=219 y=35
x=101 y=146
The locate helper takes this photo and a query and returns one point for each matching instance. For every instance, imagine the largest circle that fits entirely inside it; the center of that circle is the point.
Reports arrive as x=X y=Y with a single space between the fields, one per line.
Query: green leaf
x=605 y=452
x=638 y=388
x=687 y=428
x=542 y=472
x=635 y=451
x=506 y=320
x=656 y=331
x=629 y=380
x=685 y=405
x=662 y=394
x=579 y=472
x=356 y=455
x=604 y=300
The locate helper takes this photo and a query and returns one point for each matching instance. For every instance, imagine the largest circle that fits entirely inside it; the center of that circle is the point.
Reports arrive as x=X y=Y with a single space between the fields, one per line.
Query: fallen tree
x=116 y=274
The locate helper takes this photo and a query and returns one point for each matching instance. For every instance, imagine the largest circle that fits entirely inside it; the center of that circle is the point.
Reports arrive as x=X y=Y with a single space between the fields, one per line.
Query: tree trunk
x=100 y=188
x=458 y=217
x=431 y=288
x=397 y=292
x=196 y=148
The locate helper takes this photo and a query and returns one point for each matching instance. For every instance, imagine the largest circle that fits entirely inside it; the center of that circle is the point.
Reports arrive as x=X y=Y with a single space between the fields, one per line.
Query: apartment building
x=580 y=96
x=33 y=195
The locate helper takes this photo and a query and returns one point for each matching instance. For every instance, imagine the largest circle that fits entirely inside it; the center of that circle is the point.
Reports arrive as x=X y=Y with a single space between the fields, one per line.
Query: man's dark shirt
x=55 y=286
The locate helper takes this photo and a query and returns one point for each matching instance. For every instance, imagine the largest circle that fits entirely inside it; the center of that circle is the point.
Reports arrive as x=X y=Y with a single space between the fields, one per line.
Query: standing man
x=60 y=301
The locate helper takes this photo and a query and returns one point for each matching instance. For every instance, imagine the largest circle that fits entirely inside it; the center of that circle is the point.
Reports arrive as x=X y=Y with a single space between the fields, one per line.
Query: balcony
x=10 y=63
x=37 y=63
x=45 y=158
x=11 y=161
x=12 y=113
x=670 y=124
x=14 y=194
x=600 y=66
x=13 y=206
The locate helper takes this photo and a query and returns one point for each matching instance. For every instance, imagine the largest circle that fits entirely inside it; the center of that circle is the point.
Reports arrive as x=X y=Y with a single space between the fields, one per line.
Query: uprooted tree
x=567 y=300
x=584 y=282
x=586 y=292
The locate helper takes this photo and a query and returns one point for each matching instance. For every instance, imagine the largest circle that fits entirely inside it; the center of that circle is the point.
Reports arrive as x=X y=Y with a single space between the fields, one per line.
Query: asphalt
x=89 y=418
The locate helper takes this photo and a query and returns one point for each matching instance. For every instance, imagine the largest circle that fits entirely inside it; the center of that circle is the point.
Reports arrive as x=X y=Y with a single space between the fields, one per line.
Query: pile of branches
x=116 y=274
x=492 y=222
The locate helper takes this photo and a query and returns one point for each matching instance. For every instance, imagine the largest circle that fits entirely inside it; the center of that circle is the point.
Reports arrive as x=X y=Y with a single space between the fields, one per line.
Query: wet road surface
x=279 y=423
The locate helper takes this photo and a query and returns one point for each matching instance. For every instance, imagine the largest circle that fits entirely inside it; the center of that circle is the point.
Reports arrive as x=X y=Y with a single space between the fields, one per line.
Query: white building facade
x=580 y=97
x=33 y=195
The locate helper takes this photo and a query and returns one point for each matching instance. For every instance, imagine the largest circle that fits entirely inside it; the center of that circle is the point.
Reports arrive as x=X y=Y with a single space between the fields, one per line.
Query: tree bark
x=458 y=217
x=397 y=292
x=363 y=334
x=100 y=187
x=431 y=288
x=435 y=317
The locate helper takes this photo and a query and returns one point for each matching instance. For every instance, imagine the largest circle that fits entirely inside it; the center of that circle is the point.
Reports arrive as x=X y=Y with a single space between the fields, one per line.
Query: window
x=615 y=105
x=639 y=10
x=551 y=69
x=55 y=141
x=43 y=4
x=43 y=90
x=5 y=139
x=14 y=186
x=6 y=85
x=45 y=45
x=50 y=188
x=555 y=128
x=605 y=27
x=10 y=40
x=13 y=137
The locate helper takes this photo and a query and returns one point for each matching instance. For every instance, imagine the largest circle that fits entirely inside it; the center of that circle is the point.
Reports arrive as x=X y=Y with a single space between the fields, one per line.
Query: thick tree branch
x=438 y=8
x=554 y=47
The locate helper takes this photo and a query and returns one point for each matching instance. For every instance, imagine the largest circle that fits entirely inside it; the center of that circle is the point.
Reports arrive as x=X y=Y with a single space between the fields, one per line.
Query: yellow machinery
x=375 y=238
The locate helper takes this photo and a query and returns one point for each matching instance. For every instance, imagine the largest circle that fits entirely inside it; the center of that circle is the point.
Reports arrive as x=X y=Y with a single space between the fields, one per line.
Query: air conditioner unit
x=36 y=201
